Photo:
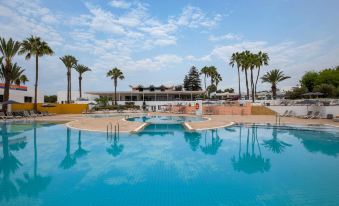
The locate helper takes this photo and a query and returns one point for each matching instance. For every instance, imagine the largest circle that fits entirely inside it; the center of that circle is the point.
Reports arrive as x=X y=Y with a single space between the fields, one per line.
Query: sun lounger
x=290 y=114
x=307 y=116
x=316 y=115
x=3 y=116
x=284 y=114
x=10 y=115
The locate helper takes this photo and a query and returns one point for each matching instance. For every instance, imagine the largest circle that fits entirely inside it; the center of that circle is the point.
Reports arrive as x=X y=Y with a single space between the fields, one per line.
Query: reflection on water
x=275 y=145
x=80 y=152
x=115 y=148
x=251 y=160
x=328 y=144
x=50 y=163
x=212 y=143
x=69 y=159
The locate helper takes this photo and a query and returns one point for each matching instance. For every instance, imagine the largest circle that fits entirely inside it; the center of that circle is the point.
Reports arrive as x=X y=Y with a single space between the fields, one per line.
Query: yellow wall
x=58 y=109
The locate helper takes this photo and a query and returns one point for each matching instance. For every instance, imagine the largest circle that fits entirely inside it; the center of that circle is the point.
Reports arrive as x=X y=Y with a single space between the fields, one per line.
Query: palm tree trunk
x=274 y=91
x=239 y=83
x=115 y=91
x=80 y=78
x=7 y=87
x=252 y=85
x=70 y=85
x=67 y=86
x=205 y=82
x=248 y=91
x=256 y=82
x=36 y=83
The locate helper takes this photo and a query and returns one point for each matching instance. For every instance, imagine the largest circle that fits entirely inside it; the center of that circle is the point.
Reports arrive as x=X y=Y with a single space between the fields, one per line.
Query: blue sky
x=156 y=42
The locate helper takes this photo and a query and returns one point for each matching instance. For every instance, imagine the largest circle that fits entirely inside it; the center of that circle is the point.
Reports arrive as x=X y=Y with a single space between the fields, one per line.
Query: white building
x=22 y=94
x=153 y=96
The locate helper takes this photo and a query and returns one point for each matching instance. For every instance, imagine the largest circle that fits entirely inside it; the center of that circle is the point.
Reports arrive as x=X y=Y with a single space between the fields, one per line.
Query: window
x=28 y=99
x=1 y=98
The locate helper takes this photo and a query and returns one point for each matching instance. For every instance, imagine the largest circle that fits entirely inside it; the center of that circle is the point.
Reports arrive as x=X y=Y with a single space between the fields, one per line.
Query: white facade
x=24 y=95
x=86 y=98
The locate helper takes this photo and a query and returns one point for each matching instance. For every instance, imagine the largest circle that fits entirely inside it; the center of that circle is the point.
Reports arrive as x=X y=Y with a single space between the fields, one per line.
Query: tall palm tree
x=34 y=46
x=8 y=50
x=81 y=69
x=205 y=71
x=274 y=77
x=253 y=61
x=70 y=62
x=236 y=59
x=115 y=74
x=245 y=66
x=217 y=79
x=263 y=59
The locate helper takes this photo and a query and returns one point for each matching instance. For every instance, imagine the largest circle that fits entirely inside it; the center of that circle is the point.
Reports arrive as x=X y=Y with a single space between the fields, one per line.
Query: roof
x=144 y=92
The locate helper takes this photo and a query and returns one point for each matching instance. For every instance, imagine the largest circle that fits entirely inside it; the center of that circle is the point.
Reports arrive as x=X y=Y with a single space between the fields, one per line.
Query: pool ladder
x=109 y=130
x=277 y=119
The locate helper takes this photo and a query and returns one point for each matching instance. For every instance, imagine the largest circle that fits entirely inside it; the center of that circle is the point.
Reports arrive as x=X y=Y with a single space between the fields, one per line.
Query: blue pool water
x=49 y=164
x=166 y=119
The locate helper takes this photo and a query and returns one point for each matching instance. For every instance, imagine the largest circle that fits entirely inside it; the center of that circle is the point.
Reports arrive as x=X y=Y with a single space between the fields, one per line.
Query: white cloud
x=228 y=36
x=194 y=17
x=120 y=4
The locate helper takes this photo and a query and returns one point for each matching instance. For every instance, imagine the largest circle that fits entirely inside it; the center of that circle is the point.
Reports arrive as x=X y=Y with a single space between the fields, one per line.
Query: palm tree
x=274 y=77
x=16 y=74
x=70 y=62
x=245 y=65
x=34 y=46
x=205 y=71
x=236 y=59
x=22 y=79
x=253 y=61
x=262 y=61
x=81 y=69
x=115 y=74
x=217 y=79
x=8 y=49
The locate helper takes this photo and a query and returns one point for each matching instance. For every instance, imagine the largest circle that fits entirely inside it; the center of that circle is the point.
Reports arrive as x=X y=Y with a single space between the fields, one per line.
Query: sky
x=156 y=42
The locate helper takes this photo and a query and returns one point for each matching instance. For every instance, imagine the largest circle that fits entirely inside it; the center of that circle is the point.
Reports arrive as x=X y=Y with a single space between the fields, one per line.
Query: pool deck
x=82 y=122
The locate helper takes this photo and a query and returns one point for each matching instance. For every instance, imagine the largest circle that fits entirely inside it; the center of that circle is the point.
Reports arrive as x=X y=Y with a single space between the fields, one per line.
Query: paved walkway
x=213 y=121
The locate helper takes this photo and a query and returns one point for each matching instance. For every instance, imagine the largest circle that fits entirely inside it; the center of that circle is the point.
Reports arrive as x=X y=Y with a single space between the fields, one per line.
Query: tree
x=34 y=46
x=229 y=90
x=245 y=66
x=309 y=80
x=262 y=61
x=296 y=93
x=192 y=81
x=8 y=50
x=236 y=59
x=115 y=74
x=50 y=99
x=274 y=77
x=327 y=89
x=16 y=76
x=206 y=72
x=81 y=69
x=102 y=101
x=70 y=62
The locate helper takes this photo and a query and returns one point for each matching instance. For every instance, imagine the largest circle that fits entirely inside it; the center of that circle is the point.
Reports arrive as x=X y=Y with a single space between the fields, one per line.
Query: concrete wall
x=62 y=96
x=302 y=110
x=216 y=109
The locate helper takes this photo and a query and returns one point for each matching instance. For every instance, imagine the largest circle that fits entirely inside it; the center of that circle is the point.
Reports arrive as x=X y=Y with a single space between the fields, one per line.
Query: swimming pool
x=50 y=164
x=166 y=119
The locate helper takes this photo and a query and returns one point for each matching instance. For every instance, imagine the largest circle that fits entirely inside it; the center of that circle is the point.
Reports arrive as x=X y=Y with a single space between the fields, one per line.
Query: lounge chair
x=10 y=115
x=35 y=113
x=284 y=114
x=316 y=115
x=290 y=114
x=3 y=116
x=307 y=116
